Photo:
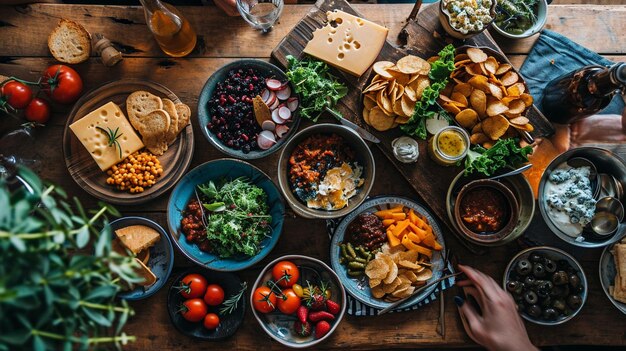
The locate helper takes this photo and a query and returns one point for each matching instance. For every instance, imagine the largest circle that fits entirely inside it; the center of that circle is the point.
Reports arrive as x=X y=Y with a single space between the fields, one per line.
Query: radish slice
x=284 y=113
x=273 y=84
x=434 y=125
x=265 y=94
x=270 y=98
x=281 y=130
x=266 y=139
x=274 y=105
x=276 y=118
x=268 y=125
x=285 y=83
x=284 y=93
x=292 y=103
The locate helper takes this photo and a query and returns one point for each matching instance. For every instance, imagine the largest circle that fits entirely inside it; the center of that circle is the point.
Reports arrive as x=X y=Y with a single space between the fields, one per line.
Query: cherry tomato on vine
x=264 y=300
x=285 y=274
x=194 y=310
x=38 y=110
x=192 y=286
x=17 y=94
x=211 y=321
x=62 y=84
x=214 y=295
x=289 y=303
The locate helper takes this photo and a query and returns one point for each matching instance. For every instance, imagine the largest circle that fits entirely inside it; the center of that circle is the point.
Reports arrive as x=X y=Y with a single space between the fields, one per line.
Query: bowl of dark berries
x=548 y=285
x=247 y=109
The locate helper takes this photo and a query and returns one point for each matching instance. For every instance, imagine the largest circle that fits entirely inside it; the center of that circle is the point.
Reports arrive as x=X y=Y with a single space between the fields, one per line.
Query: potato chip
x=374 y=282
x=462 y=88
x=527 y=98
x=479 y=82
x=516 y=89
x=393 y=270
x=495 y=127
x=377 y=269
x=462 y=63
x=460 y=98
x=378 y=292
x=425 y=275
x=488 y=144
x=412 y=64
x=474 y=70
x=407 y=106
x=419 y=85
x=375 y=87
x=369 y=102
x=509 y=78
x=379 y=120
x=517 y=106
x=366 y=115
x=399 y=91
x=467 y=118
x=478 y=138
x=496 y=108
x=408 y=255
x=408 y=91
x=526 y=127
x=411 y=276
x=408 y=265
x=460 y=57
x=383 y=102
x=503 y=68
x=495 y=91
x=519 y=120
x=404 y=292
x=402 y=119
x=388 y=288
x=453 y=109
x=478 y=101
x=381 y=68
x=478 y=128
x=413 y=78
x=476 y=55
x=400 y=77
x=391 y=86
x=491 y=65
x=397 y=108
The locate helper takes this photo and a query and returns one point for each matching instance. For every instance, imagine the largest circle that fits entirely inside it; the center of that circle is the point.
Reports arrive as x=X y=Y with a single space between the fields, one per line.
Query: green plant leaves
x=82 y=238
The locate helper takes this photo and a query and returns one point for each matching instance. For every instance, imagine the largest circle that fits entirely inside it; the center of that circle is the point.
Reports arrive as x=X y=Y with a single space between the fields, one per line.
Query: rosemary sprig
x=113 y=136
x=231 y=303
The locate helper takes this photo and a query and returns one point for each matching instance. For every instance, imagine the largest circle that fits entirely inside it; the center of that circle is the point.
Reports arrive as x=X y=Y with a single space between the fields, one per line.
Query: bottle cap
x=619 y=73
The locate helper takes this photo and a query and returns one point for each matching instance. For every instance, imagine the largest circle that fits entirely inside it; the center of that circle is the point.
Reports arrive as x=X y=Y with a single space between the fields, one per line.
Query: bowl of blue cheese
x=568 y=194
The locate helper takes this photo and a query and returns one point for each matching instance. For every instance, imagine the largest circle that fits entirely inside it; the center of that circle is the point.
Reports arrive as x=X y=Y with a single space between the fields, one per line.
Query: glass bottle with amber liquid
x=583 y=92
x=171 y=29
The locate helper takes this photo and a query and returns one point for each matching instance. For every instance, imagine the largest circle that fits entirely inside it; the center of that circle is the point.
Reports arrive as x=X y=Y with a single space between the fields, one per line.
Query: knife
x=359 y=130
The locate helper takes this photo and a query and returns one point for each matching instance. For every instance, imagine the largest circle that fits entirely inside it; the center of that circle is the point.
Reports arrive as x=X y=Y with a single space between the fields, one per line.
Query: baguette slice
x=137 y=237
x=153 y=128
x=140 y=103
x=172 y=132
x=69 y=42
x=184 y=114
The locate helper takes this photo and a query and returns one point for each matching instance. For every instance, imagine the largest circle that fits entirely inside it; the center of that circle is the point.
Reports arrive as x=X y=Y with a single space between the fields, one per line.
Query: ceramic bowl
x=204 y=115
x=521 y=189
x=359 y=287
x=512 y=215
x=229 y=323
x=444 y=19
x=280 y=326
x=160 y=262
x=216 y=170
x=542 y=16
x=605 y=162
x=608 y=271
x=555 y=255
x=364 y=157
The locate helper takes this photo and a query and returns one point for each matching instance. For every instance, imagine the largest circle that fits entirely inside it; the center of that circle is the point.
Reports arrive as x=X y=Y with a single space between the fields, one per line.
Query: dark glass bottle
x=583 y=92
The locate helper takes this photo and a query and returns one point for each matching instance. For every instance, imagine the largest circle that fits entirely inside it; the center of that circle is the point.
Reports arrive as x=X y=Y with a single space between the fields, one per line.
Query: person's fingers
x=478 y=296
x=482 y=281
x=465 y=282
x=472 y=321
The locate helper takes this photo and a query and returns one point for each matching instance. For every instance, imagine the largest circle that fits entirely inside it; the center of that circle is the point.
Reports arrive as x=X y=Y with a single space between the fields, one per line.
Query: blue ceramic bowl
x=216 y=170
x=160 y=262
x=279 y=326
x=204 y=115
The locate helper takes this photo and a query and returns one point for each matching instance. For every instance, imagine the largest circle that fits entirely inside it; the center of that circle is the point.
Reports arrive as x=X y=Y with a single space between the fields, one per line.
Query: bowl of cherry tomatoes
x=298 y=301
x=206 y=304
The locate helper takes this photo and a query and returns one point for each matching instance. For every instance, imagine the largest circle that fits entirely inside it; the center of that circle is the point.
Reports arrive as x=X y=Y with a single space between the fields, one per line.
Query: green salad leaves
x=427 y=107
x=237 y=216
x=317 y=87
x=505 y=152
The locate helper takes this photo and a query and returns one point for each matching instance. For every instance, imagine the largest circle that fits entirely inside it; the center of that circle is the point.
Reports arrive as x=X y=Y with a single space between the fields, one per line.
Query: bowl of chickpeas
x=138 y=172
x=463 y=19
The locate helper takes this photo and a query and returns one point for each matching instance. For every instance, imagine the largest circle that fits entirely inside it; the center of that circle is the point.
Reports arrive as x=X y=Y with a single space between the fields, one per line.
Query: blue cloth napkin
x=554 y=55
x=355 y=307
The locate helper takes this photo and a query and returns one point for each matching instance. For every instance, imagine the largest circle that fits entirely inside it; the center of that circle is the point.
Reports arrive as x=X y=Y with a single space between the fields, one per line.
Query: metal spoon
x=513 y=172
x=609 y=214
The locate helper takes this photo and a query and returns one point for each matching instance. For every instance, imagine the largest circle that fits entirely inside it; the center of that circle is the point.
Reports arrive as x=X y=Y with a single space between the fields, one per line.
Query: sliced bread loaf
x=172 y=132
x=69 y=42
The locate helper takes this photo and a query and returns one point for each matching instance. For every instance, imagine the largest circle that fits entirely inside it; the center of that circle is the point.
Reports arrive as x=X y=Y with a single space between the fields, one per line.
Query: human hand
x=228 y=6
x=498 y=327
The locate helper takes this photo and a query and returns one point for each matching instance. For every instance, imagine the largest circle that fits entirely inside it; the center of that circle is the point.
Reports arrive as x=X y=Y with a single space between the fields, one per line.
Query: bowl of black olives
x=548 y=285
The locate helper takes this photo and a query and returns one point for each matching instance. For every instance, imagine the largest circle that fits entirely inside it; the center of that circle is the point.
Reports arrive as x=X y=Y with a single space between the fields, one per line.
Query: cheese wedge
x=107 y=117
x=353 y=45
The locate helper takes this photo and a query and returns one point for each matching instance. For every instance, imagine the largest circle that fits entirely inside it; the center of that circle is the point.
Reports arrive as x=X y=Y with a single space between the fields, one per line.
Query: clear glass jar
x=449 y=145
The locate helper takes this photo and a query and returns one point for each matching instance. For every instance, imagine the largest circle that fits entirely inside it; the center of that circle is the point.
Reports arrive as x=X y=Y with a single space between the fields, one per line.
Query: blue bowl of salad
x=225 y=215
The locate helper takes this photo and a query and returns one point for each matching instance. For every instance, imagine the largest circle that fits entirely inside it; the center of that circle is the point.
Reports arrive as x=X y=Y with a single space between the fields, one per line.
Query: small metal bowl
x=555 y=255
x=513 y=212
x=542 y=16
x=364 y=158
x=444 y=18
x=605 y=162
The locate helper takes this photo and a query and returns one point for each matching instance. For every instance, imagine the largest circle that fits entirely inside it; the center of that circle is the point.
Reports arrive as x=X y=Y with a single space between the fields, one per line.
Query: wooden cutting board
x=429 y=180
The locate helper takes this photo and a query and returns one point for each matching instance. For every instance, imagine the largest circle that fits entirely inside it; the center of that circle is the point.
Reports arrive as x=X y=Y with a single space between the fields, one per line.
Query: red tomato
x=264 y=300
x=289 y=303
x=38 y=111
x=285 y=274
x=17 y=94
x=214 y=295
x=211 y=321
x=192 y=286
x=62 y=84
x=194 y=310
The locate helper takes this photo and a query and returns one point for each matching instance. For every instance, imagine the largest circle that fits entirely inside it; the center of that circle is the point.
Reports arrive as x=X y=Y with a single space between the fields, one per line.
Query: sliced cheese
x=109 y=116
x=352 y=45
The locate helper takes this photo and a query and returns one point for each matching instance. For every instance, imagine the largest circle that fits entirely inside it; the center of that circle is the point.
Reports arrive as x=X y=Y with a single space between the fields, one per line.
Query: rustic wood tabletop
x=23 y=53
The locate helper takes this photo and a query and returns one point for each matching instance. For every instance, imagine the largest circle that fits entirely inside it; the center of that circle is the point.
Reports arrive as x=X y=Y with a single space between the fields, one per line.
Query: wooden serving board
x=429 y=180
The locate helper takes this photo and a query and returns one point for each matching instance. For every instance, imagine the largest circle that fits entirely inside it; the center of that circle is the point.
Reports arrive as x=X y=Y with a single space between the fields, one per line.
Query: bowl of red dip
x=486 y=211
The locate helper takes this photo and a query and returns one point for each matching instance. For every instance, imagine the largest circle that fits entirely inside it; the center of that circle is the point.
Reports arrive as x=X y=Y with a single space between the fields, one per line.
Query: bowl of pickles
x=518 y=19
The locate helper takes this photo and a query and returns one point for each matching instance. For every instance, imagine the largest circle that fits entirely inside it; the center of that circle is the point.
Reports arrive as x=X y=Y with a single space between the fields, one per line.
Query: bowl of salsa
x=486 y=211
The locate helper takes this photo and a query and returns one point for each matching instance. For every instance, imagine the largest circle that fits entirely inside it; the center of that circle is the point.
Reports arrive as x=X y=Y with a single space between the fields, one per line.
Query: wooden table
x=23 y=53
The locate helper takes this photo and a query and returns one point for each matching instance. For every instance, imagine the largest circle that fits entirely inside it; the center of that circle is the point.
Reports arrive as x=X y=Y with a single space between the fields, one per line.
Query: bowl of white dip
x=566 y=195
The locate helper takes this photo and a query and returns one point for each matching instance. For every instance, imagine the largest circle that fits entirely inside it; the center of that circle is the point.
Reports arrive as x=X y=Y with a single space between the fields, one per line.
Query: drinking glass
x=260 y=14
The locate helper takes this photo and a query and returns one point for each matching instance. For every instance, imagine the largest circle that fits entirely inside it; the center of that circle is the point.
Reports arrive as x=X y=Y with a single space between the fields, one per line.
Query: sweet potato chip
x=462 y=88
x=478 y=128
x=503 y=68
x=460 y=98
x=517 y=106
x=450 y=107
x=516 y=89
x=467 y=118
x=527 y=98
x=476 y=55
x=509 y=78
x=496 y=108
x=478 y=101
x=495 y=91
x=460 y=57
x=479 y=82
x=519 y=120
x=495 y=127
x=491 y=65
x=478 y=138
x=526 y=127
